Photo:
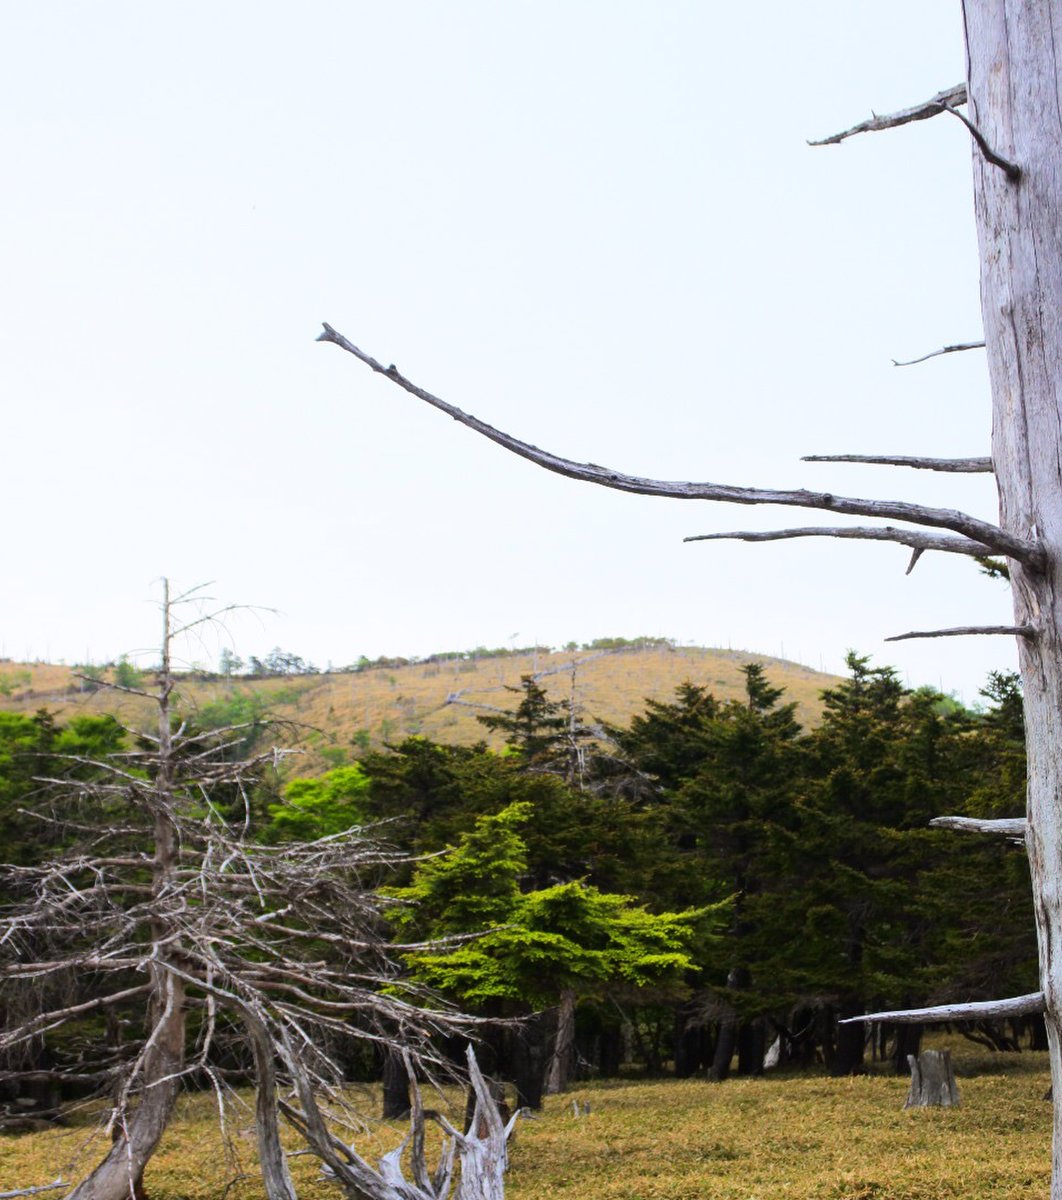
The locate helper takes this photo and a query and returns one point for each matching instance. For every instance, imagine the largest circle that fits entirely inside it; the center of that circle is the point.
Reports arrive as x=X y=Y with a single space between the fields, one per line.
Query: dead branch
x=1009 y=827
x=1026 y=631
x=980 y=531
x=918 y=112
x=34 y=1191
x=1010 y=169
x=1018 y=1006
x=959 y=465
x=953 y=349
x=863 y=533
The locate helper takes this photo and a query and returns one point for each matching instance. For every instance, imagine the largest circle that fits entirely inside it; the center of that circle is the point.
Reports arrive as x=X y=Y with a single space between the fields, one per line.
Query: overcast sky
x=597 y=225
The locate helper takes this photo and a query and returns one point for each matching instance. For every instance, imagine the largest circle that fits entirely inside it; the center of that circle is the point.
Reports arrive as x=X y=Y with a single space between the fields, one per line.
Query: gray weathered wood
x=932 y=1081
x=932 y=107
x=1010 y=827
x=981 y=1010
x=915 y=538
x=1024 y=631
x=1025 y=549
x=962 y=466
x=1014 y=61
x=955 y=348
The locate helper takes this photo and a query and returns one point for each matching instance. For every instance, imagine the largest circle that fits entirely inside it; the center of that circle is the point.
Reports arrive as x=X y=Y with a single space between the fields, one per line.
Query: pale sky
x=595 y=224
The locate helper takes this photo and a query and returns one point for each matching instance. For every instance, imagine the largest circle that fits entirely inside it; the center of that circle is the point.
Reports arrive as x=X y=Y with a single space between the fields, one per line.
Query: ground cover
x=795 y=1137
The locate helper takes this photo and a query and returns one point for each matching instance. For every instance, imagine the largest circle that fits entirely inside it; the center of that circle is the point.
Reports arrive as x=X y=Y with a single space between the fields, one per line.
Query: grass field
x=798 y=1138
x=337 y=715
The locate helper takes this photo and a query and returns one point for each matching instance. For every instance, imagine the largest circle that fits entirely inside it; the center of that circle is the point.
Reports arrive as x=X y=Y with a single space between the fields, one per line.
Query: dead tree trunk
x=932 y=1081
x=1014 y=62
x=137 y=1134
x=558 y=1075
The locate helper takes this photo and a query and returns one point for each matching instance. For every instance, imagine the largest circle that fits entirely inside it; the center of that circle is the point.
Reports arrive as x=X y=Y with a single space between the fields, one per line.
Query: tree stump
x=932 y=1081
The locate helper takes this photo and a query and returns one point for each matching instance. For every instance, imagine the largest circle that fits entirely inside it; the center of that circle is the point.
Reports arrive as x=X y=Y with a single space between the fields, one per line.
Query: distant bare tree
x=170 y=913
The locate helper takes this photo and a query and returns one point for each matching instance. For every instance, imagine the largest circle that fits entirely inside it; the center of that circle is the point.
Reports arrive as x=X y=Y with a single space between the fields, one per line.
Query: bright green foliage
x=320 y=806
x=536 y=943
x=472 y=887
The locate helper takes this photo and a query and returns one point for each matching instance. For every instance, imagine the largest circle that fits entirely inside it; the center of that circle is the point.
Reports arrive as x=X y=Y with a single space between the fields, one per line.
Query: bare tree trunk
x=120 y=1174
x=558 y=1076
x=273 y=1164
x=1014 y=61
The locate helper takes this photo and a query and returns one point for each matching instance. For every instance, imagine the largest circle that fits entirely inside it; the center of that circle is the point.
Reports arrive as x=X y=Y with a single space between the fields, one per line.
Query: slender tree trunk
x=1014 y=61
x=559 y=1073
x=120 y=1174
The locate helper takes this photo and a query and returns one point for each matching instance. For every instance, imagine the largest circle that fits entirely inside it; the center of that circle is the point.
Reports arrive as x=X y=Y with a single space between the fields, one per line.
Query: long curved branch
x=990 y=535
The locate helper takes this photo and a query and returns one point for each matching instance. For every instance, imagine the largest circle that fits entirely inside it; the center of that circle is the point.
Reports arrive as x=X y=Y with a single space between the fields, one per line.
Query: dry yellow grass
x=801 y=1138
x=438 y=700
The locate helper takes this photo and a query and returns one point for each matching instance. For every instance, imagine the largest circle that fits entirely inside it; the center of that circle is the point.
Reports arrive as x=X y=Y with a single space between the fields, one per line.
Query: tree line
x=709 y=888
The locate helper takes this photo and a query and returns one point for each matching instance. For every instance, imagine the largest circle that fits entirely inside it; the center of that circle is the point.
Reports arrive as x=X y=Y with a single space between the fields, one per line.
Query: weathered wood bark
x=1014 y=60
x=558 y=1076
x=481 y=1151
x=138 y=1133
x=932 y=1081
x=273 y=1164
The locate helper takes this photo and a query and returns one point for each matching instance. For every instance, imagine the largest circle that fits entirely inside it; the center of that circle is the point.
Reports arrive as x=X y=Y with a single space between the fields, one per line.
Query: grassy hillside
x=798 y=1137
x=340 y=714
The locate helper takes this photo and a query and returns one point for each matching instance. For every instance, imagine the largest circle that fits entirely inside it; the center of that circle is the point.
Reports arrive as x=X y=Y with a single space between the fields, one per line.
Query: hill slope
x=340 y=714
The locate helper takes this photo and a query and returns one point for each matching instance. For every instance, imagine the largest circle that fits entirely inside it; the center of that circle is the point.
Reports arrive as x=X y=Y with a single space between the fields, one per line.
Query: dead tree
x=170 y=912
x=1011 y=95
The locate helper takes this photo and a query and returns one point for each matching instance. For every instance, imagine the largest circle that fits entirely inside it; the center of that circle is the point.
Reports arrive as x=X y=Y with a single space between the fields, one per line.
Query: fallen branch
x=1025 y=631
x=919 y=112
x=1018 y=1006
x=953 y=349
x=989 y=535
x=958 y=465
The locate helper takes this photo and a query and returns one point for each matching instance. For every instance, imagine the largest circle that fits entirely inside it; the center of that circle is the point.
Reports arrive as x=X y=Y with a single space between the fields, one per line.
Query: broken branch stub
x=1009 y=827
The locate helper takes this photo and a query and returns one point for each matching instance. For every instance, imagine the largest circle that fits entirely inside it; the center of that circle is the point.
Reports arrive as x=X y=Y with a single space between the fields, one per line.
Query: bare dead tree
x=171 y=913
x=1011 y=93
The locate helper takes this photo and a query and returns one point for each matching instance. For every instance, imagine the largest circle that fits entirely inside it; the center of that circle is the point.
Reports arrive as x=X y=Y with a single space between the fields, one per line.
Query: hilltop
x=337 y=715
